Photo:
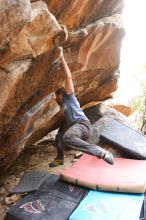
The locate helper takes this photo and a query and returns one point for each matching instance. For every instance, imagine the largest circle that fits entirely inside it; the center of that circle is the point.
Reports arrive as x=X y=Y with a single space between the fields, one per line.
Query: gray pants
x=75 y=138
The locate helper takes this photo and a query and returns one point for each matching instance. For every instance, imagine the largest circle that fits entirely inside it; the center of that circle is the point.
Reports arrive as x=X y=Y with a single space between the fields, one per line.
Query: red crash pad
x=126 y=175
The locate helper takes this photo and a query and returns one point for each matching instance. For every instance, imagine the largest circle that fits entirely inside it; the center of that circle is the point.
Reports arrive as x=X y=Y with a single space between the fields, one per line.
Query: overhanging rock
x=91 y=35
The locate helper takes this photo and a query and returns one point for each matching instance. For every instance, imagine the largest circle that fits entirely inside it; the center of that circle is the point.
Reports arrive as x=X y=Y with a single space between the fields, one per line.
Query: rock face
x=90 y=32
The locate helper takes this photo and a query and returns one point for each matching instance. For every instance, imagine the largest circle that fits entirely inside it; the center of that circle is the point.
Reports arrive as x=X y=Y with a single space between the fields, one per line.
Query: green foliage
x=139 y=103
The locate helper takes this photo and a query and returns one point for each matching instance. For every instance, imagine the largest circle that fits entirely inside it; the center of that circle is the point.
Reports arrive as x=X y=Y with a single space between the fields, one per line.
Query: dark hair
x=60 y=91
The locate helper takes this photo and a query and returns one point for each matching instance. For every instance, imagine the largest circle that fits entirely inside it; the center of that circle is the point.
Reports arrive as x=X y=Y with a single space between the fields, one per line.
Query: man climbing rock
x=78 y=127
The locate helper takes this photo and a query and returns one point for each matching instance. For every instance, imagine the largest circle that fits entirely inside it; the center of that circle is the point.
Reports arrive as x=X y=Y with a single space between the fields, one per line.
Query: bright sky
x=133 y=53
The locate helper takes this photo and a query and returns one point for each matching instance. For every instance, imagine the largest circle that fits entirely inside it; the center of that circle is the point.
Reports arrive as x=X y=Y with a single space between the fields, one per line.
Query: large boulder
x=90 y=32
x=14 y=15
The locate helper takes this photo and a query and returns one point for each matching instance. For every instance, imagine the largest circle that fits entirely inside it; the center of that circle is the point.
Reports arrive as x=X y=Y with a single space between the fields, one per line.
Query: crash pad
x=41 y=206
x=126 y=175
x=67 y=191
x=143 y=210
x=107 y=205
x=142 y=215
x=125 y=138
x=54 y=199
x=31 y=181
x=145 y=206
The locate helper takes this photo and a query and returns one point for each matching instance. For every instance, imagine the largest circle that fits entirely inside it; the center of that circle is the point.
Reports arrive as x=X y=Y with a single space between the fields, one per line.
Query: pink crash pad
x=126 y=175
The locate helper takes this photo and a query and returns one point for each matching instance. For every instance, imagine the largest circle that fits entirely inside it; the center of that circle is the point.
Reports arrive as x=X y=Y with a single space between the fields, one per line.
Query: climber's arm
x=69 y=87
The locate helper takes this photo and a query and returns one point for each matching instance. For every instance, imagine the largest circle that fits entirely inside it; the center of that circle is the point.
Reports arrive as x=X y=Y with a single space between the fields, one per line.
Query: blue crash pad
x=107 y=205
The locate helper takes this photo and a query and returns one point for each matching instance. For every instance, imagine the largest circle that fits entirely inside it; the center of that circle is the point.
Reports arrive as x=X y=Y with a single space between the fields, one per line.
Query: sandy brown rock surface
x=90 y=33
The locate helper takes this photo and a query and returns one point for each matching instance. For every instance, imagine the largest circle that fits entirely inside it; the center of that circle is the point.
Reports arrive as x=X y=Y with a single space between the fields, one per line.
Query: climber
x=76 y=127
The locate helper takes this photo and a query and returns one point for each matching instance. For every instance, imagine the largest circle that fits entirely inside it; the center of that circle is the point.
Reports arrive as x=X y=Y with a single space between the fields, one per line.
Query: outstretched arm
x=69 y=87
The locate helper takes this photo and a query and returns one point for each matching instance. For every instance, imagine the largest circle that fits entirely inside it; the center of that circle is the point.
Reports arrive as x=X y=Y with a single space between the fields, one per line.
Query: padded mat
x=41 y=206
x=111 y=206
x=31 y=181
x=125 y=138
x=63 y=190
x=143 y=211
x=142 y=217
x=145 y=206
x=125 y=175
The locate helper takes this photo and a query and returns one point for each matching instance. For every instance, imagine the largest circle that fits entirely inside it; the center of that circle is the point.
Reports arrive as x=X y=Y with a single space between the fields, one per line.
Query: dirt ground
x=35 y=158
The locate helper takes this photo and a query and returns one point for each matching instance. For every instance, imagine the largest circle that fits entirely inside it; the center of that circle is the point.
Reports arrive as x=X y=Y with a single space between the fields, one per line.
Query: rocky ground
x=35 y=158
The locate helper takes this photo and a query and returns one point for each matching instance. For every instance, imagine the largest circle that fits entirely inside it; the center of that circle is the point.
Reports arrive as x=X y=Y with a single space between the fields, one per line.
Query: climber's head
x=59 y=95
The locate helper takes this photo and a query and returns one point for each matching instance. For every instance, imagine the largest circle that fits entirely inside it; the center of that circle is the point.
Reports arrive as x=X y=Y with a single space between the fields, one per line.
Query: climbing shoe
x=78 y=155
x=108 y=157
x=56 y=162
